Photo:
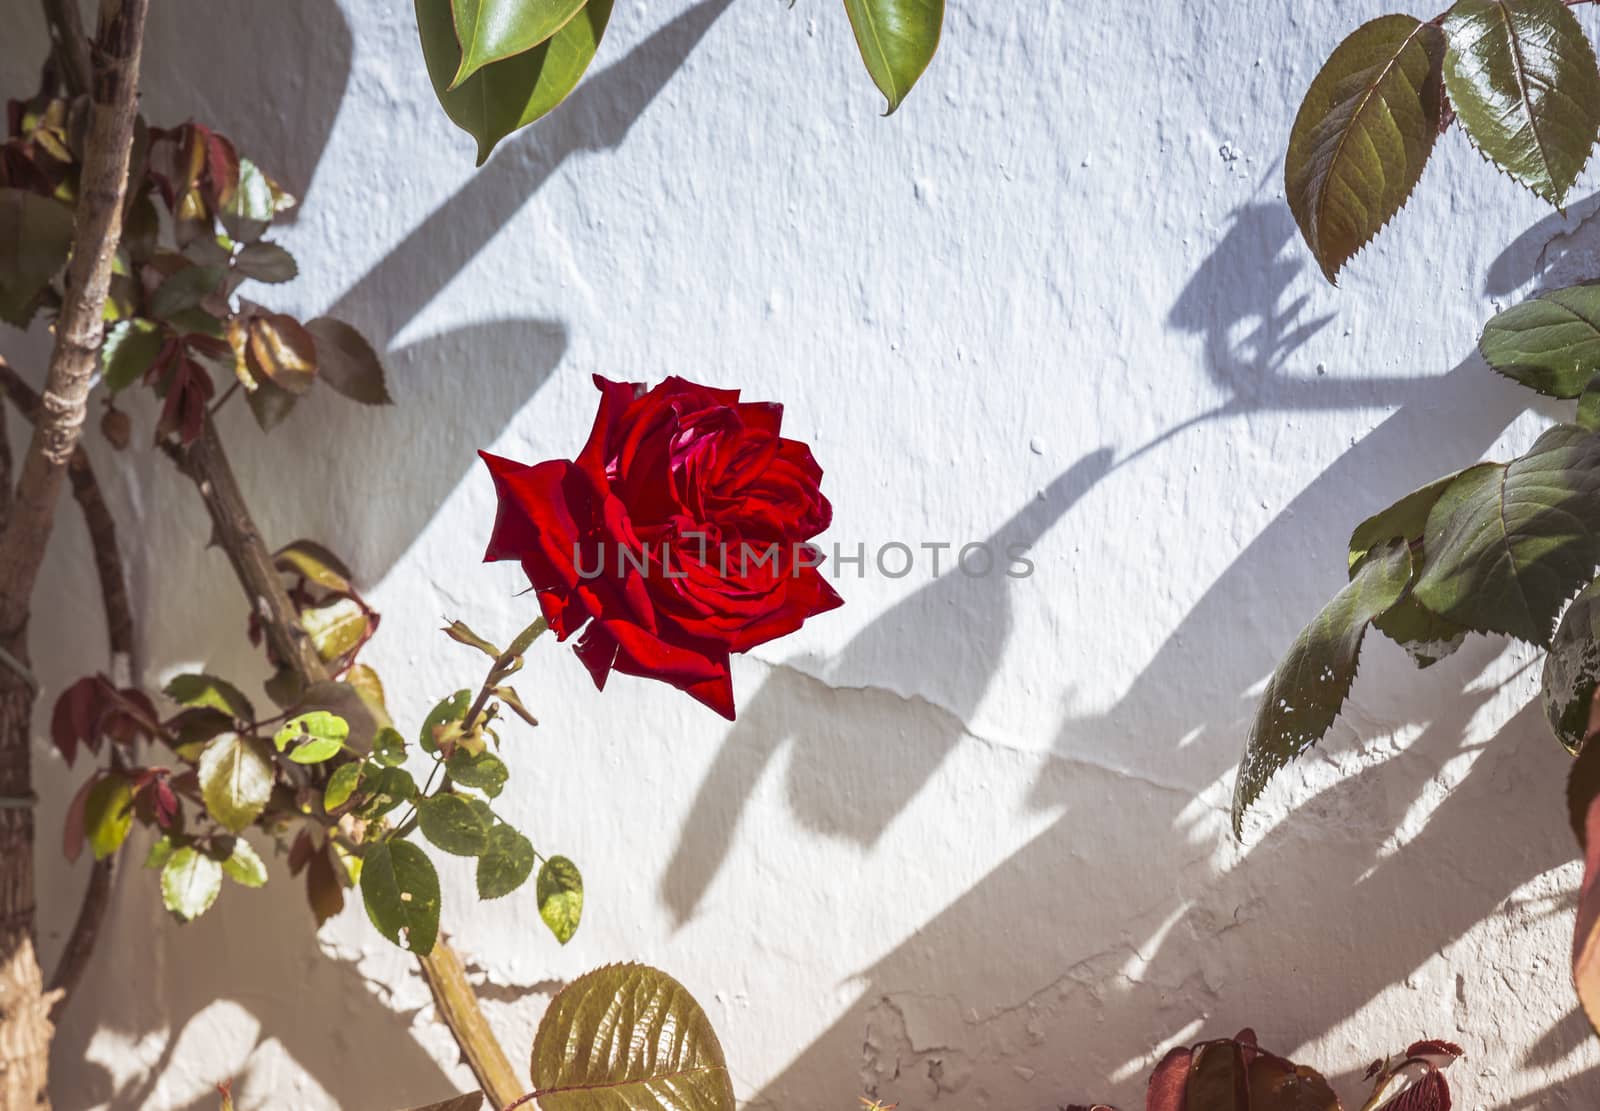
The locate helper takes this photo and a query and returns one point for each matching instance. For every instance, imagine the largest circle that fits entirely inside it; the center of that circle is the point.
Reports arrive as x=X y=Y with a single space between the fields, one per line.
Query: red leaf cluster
x=92 y=711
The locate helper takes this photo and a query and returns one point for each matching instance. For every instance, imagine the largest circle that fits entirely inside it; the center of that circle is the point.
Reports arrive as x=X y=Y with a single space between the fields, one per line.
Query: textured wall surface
x=966 y=845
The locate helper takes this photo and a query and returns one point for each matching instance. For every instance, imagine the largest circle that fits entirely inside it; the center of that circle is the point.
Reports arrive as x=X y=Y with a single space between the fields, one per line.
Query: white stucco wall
x=965 y=846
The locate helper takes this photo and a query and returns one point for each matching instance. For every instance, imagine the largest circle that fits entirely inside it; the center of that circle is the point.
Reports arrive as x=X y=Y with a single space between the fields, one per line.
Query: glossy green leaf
x=108 y=814
x=1550 y=343
x=560 y=893
x=1572 y=669
x=336 y=628
x=317 y=736
x=314 y=563
x=897 y=39
x=35 y=240
x=347 y=362
x=1522 y=79
x=491 y=31
x=507 y=95
x=389 y=747
x=506 y=863
x=454 y=824
x=190 y=883
x=1363 y=135
x=1508 y=544
x=448 y=710
x=1426 y=637
x=341 y=785
x=208 y=690
x=130 y=347
x=235 y=780
x=1309 y=686
x=244 y=866
x=628 y=1038
x=484 y=772
x=265 y=262
x=401 y=892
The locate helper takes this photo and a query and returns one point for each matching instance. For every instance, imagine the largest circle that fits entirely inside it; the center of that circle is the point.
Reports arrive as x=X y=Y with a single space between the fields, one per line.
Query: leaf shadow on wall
x=1128 y=922
x=322 y=1013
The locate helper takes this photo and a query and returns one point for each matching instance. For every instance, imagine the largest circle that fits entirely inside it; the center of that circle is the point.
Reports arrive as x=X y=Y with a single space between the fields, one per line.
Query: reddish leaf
x=72 y=834
x=1218 y=1079
x=300 y=852
x=1170 y=1081
x=281 y=351
x=74 y=719
x=188 y=392
x=323 y=888
x=1437 y=1053
x=1279 y=1085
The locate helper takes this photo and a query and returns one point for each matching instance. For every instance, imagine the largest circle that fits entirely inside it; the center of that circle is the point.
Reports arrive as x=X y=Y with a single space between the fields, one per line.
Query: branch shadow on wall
x=1131 y=953
x=322 y=1012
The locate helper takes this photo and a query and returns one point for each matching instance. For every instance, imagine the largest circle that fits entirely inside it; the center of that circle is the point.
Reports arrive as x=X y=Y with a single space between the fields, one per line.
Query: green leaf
x=627 y=1038
x=336 y=628
x=897 y=39
x=1363 y=135
x=491 y=31
x=1309 y=686
x=270 y=404
x=461 y=634
x=389 y=747
x=484 y=772
x=449 y=710
x=453 y=824
x=506 y=863
x=401 y=892
x=244 y=866
x=185 y=290
x=1550 y=343
x=1522 y=79
x=369 y=688
x=314 y=563
x=321 y=735
x=341 y=785
x=160 y=852
x=385 y=789
x=1426 y=637
x=1508 y=544
x=347 y=362
x=1572 y=669
x=190 y=882
x=235 y=780
x=208 y=690
x=35 y=240
x=108 y=814
x=130 y=347
x=507 y=95
x=560 y=893
x=1589 y=405
x=247 y=214
x=266 y=262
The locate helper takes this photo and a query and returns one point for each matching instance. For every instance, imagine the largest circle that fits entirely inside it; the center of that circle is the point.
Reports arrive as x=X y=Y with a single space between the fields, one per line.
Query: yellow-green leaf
x=491 y=31
x=190 y=882
x=628 y=1038
x=1363 y=135
x=235 y=780
x=897 y=39
x=560 y=893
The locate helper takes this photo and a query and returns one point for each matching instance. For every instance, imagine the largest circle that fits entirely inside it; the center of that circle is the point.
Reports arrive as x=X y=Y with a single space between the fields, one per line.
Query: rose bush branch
x=102 y=529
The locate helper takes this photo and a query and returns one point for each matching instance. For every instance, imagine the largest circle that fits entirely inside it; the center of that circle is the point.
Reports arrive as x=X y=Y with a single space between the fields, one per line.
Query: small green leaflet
x=208 y=690
x=448 y=710
x=244 y=866
x=190 y=881
x=1309 y=686
x=129 y=348
x=108 y=815
x=1508 y=544
x=484 y=772
x=506 y=863
x=400 y=890
x=341 y=785
x=1550 y=343
x=389 y=747
x=560 y=893
x=321 y=736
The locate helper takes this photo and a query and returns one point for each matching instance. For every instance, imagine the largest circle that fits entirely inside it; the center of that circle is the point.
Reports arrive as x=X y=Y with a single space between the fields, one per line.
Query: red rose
x=678 y=534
